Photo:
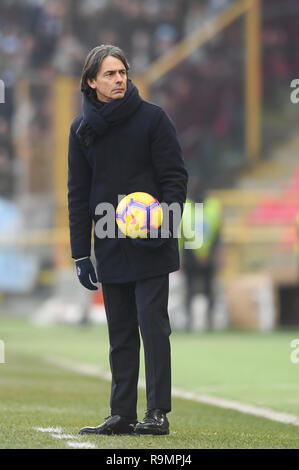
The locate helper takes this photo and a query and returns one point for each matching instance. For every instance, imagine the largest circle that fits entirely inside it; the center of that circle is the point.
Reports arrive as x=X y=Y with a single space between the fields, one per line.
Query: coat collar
x=99 y=117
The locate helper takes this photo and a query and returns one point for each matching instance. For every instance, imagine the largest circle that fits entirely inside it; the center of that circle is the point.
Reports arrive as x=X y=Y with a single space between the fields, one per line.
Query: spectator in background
x=200 y=263
x=5 y=172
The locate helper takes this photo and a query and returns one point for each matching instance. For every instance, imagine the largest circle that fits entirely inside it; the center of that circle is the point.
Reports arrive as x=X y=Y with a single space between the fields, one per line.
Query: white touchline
x=53 y=430
x=56 y=433
x=82 y=445
x=267 y=413
x=63 y=436
x=95 y=371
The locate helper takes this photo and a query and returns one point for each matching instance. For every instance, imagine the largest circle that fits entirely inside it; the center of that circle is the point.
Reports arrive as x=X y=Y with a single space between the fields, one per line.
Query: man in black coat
x=122 y=144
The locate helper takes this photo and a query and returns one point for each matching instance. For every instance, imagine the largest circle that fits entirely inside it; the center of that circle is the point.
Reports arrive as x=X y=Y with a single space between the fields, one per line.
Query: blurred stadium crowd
x=204 y=94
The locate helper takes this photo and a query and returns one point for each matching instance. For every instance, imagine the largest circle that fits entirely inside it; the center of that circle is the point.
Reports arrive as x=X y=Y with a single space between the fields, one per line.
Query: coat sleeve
x=79 y=186
x=168 y=163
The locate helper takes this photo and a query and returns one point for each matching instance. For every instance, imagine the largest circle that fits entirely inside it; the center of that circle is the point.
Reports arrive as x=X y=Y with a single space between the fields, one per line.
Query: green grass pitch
x=249 y=367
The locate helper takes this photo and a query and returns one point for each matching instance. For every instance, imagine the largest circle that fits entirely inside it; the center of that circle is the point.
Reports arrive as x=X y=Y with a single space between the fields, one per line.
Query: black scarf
x=99 y=117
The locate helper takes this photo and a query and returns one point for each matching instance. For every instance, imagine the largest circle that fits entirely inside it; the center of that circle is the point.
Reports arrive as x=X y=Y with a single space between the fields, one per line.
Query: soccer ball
x=137 y=213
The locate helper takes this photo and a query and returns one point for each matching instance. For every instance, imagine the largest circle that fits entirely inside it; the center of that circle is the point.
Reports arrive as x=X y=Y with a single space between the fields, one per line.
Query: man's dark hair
x=93 y=62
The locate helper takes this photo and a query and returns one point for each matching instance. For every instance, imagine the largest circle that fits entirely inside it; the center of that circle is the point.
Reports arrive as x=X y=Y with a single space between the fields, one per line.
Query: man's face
x=111 y=80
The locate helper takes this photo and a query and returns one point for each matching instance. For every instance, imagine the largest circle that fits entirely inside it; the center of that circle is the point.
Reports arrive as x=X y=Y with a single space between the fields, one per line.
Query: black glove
x=152 y=242
x=86 y=273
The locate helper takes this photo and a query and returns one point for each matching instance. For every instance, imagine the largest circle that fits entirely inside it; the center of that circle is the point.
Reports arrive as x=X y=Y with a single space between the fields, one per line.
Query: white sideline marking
x=53 y=430
x=63 y=436
x=267 y=413
x=81 y=445
x=95 y=371
x=56 y=433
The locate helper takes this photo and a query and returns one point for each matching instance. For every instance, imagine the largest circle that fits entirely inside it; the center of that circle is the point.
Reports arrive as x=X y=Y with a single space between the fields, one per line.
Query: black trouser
x=129 y=306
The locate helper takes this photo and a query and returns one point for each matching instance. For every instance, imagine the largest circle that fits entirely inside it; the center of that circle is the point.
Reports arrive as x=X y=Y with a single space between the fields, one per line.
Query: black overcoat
x=116 y=148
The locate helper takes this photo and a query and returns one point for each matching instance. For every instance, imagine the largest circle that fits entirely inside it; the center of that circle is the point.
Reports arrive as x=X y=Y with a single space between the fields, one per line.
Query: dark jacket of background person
x=117 y=148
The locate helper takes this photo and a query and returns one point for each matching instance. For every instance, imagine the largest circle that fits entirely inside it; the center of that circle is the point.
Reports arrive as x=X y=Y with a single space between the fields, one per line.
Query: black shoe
x=113 y=425
x=154 y=422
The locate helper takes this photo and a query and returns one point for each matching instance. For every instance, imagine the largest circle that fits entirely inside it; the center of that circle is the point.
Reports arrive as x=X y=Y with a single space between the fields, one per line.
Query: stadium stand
x=43 y=39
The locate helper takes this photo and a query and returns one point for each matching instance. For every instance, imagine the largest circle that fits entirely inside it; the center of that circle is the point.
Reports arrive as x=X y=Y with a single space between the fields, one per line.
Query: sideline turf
x=246 y=366
x=34 y=393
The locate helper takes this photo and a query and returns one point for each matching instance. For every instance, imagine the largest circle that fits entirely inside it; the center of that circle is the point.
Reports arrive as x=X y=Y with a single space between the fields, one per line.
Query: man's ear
x=91 y=83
